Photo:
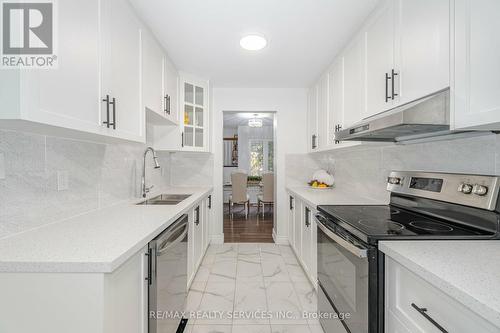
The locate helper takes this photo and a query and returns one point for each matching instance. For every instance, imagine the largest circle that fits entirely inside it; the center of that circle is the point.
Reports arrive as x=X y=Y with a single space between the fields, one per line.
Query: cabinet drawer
x=406 y=293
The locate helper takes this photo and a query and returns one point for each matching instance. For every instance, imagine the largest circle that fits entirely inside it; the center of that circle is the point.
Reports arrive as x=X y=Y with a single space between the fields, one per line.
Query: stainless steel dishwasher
x=167 y=277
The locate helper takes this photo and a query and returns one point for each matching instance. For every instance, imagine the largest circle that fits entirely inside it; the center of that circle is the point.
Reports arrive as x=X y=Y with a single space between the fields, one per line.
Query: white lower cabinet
x=302 y=235
x=126 y=296
x=414 y=305
x=114 y=302
x=291 y=220
x=198 y=235
x=297 y=221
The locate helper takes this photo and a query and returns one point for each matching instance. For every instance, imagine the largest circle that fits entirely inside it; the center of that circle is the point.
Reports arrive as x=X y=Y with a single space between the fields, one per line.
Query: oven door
x=343 y=275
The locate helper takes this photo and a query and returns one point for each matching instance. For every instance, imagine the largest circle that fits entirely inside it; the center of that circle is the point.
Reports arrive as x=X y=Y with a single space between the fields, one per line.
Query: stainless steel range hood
x=425 y=117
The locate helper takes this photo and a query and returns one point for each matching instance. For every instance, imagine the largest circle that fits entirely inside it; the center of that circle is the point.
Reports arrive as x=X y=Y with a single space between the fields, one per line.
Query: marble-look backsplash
x=191 y=169
x=99 y=175
x=365 y=168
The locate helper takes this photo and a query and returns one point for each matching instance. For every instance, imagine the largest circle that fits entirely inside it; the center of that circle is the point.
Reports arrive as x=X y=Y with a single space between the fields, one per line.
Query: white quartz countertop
x=99 y=241
x=468 y=271
x=333 y=196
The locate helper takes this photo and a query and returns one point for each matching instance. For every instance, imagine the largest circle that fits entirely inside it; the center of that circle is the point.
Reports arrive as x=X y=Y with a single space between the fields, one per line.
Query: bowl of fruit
x=319 y=185
x=322 y=180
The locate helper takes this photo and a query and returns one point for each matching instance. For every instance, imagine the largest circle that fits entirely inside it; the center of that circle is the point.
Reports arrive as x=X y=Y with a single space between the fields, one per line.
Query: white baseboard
x=217 y=239
x=278 y=239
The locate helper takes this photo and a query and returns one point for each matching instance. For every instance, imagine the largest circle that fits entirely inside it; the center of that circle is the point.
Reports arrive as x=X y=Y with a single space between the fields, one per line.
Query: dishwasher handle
x=171 y=241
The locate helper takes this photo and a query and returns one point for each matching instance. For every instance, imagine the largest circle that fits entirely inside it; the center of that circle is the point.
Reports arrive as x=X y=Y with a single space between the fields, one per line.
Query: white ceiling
x=202 y=37
x=233 y=120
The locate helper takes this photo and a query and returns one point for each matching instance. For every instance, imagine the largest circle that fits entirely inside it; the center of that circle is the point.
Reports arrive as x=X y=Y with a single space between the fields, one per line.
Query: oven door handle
x=358 y=252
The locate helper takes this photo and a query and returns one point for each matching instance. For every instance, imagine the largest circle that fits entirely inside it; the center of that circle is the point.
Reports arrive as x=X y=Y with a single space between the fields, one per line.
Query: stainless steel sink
x=165 y=199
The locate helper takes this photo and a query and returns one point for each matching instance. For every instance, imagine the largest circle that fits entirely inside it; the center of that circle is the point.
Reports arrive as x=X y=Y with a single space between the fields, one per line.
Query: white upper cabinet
x=422 y=48
x=160 y=81
x=152 y=74
x=195 y=116
x=121 y=108
x=407 y=58
x=111 y=69
x=379 y=60
x=354 y=81
x=476 y=85
x=395 y=58
x=171 y=91
x=68 y=96
x=312 y=117
x=323 y=108
x=96 y=88
x=336 y=99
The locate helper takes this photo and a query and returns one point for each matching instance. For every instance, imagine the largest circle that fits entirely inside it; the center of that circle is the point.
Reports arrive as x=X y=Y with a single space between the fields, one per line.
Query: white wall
x=290 y=130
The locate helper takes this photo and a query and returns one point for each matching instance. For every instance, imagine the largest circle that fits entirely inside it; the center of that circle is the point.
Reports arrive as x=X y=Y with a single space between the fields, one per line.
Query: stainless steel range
x=423 y=206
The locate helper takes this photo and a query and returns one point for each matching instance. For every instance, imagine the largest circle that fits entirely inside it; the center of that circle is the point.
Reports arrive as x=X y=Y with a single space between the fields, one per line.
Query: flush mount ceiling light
x=255 y=122
x=253 y=42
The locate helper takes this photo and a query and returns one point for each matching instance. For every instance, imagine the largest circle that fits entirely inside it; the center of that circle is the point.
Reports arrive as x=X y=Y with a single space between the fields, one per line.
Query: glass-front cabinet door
x=195 y=114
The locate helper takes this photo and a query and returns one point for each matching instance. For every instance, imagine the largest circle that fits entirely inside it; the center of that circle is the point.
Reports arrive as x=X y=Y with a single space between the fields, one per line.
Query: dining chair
x=267 y=196
x=239 y=194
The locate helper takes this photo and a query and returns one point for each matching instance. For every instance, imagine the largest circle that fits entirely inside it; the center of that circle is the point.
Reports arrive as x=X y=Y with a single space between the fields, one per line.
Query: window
x=261 y=157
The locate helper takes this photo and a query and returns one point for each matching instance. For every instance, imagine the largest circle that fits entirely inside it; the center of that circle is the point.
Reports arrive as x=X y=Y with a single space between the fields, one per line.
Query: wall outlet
x=2 y=166
x=62 y=180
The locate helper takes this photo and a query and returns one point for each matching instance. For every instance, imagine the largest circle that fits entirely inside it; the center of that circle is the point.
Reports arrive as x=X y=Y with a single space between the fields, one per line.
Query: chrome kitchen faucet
x=145 y=189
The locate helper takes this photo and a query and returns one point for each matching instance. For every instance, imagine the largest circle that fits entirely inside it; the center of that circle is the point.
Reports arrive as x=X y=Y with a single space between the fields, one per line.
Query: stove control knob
x=465 y=188
x=394 y=180
x=480 y=190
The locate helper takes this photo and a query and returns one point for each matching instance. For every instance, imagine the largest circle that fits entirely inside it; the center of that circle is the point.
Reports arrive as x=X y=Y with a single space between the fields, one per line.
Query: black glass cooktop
x=373 y=223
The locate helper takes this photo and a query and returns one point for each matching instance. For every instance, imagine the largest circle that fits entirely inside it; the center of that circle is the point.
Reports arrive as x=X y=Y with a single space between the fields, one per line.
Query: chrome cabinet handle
x=197 y=215
x=338 y=127
x=106 y=100
x=114 y=112
x=423 y=312
x=387 y=78
x=393 y=75
x=308 y=213
x=150 y=268
x=167 y=104
x=109 y=102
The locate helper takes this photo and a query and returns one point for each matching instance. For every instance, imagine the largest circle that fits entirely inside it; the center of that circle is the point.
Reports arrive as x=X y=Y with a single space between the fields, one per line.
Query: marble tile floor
x=256 y=280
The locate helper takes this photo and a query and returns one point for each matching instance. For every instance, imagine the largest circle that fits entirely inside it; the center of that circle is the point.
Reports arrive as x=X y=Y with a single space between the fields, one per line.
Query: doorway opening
x=249 y=179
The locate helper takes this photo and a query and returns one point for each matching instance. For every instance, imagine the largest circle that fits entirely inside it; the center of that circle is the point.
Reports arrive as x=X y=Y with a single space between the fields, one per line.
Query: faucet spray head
x=155 y=159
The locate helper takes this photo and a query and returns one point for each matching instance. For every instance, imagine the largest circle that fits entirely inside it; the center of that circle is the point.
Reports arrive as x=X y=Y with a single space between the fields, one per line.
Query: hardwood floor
x=253 y=230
